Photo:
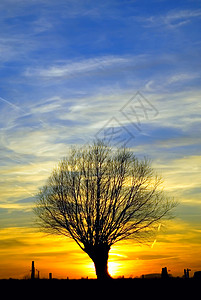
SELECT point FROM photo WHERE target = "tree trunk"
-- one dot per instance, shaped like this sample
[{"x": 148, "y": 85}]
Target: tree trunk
[
  {"x": 101, "y": 267},
  {"x": 99, "y": 255}
]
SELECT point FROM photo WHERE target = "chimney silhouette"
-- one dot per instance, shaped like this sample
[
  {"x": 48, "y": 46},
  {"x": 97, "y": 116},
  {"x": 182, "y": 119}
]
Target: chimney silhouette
[{"x": 32, "y": 271}]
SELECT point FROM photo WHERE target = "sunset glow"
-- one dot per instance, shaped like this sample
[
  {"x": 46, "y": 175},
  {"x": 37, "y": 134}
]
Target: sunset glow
[{"x": 75, "y": 70}]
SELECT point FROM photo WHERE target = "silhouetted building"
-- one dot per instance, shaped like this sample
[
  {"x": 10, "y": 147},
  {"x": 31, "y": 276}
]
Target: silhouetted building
[
  {"x": 164, "y": 273},
  {"x": 197, "y": 275},
  {"x": 32, "y": 271},
  {"x": 50, "y": 275}
]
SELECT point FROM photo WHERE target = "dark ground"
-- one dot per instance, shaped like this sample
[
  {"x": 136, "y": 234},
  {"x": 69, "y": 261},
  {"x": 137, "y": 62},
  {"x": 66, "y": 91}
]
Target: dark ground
[{"x": 172, "y": 288}]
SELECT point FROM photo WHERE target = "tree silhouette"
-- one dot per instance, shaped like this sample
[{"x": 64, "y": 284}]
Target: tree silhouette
[{"x": 98, "y": 196}]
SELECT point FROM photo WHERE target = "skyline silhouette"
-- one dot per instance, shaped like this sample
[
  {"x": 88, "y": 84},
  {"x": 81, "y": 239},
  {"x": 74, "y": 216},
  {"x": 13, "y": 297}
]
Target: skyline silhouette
[
  {"x": 36, "y": 272},
  {"x": 164, "y": 274}
]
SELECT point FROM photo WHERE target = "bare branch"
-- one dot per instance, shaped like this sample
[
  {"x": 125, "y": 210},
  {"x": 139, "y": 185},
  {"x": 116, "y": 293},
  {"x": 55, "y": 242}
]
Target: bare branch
[{"x": 99, "y": 196}]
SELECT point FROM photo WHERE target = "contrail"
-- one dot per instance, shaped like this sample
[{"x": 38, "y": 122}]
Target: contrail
[
  {"x": 11, "y": 104},
  {"x": 153, "y": 243}
]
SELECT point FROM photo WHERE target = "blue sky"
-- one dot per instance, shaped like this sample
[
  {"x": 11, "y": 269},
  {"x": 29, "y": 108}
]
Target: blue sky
[{"x": 69, "y": 71}]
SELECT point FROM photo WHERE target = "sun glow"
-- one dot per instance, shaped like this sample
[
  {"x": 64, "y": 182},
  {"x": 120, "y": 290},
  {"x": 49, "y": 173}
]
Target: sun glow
[{"x": 113, "y": 268}]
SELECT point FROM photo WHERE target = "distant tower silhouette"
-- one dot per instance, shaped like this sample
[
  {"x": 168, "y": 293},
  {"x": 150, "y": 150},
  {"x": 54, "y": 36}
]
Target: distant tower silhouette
[
  {"x": 164, "y": 273},
  {"x": 32, "y": 271},
  {"x": 186, "y": 273},
  {"x": 50, "y": 275}
]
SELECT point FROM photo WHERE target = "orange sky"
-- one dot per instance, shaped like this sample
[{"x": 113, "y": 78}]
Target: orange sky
[
  {"x": 62, "y": 257},
  {"x": 177, "y": 244}
]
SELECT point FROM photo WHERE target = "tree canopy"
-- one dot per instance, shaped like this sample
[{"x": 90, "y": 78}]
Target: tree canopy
[{"x": 98, "y": 196}]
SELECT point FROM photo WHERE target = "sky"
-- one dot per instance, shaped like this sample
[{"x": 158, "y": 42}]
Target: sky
[{"x": 125, "y": 71}]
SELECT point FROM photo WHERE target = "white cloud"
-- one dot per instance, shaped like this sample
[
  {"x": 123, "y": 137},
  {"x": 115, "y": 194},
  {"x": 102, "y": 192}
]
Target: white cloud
[
  {"x": 181, "y": 175},
  {"x": 173, "y": 19},
  {"x": 180, "y": 77},
  {"x": 73, "y": 68},
  {"x": 47, "y": 105}
]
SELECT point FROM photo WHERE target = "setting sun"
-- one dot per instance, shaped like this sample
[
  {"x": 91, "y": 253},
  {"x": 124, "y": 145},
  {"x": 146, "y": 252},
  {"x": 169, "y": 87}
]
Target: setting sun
[{"x": 114, "y": 268}]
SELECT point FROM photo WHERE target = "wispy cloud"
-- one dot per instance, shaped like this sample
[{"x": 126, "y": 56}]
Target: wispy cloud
[
  {"x": 182, "y": 17},
  {"x": 182, "y": 77},
  {"x": 72, "y": 68},
  {"x": 173, "y": 19}
]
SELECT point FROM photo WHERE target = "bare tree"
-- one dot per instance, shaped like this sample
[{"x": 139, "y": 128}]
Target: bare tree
[{"x": 99, "y": 196}]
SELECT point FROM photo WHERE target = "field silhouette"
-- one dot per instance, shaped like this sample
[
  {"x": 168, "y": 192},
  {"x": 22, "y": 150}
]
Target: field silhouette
[{"x": 91, "y": 288}]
